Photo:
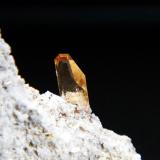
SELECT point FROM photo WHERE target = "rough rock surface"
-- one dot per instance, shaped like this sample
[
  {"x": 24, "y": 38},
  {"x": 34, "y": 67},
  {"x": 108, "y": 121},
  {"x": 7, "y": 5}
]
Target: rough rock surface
[{"x": 45, "y": 127}]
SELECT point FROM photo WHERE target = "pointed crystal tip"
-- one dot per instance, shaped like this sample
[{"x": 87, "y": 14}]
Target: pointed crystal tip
[{"x": 71, "y": 81}]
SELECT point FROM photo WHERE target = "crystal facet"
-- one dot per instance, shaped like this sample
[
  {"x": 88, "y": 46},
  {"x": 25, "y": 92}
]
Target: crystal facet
[{"x": 71, "y": 81}]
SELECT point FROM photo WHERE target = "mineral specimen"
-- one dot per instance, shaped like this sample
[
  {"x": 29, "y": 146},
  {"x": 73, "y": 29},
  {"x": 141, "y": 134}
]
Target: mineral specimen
[{"x": 36, "y": 126}]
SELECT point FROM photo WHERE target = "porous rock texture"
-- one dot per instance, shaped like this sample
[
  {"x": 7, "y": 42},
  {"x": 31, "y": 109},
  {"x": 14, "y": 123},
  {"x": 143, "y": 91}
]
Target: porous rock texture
[{"x": 36, "y": 126}]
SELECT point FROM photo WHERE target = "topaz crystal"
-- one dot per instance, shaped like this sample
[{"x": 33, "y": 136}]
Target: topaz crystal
[{"x": 71, "y": 81}]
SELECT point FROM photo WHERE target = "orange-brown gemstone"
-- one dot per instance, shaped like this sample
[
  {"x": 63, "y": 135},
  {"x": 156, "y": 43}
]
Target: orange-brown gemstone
[{"x": 71, "y": 81}]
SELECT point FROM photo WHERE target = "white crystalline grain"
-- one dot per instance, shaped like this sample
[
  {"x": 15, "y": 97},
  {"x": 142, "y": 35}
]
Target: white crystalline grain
[{"x": 45, "y": 127}]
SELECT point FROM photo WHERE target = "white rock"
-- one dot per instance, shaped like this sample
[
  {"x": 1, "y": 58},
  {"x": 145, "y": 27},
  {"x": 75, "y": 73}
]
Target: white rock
[{"x": 45, "y": 127}]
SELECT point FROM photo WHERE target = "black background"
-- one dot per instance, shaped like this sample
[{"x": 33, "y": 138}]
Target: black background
[{"x": 113, "y": 42}]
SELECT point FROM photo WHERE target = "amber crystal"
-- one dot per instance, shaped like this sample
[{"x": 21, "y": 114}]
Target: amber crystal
[{"x": 71, "y": 81}]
